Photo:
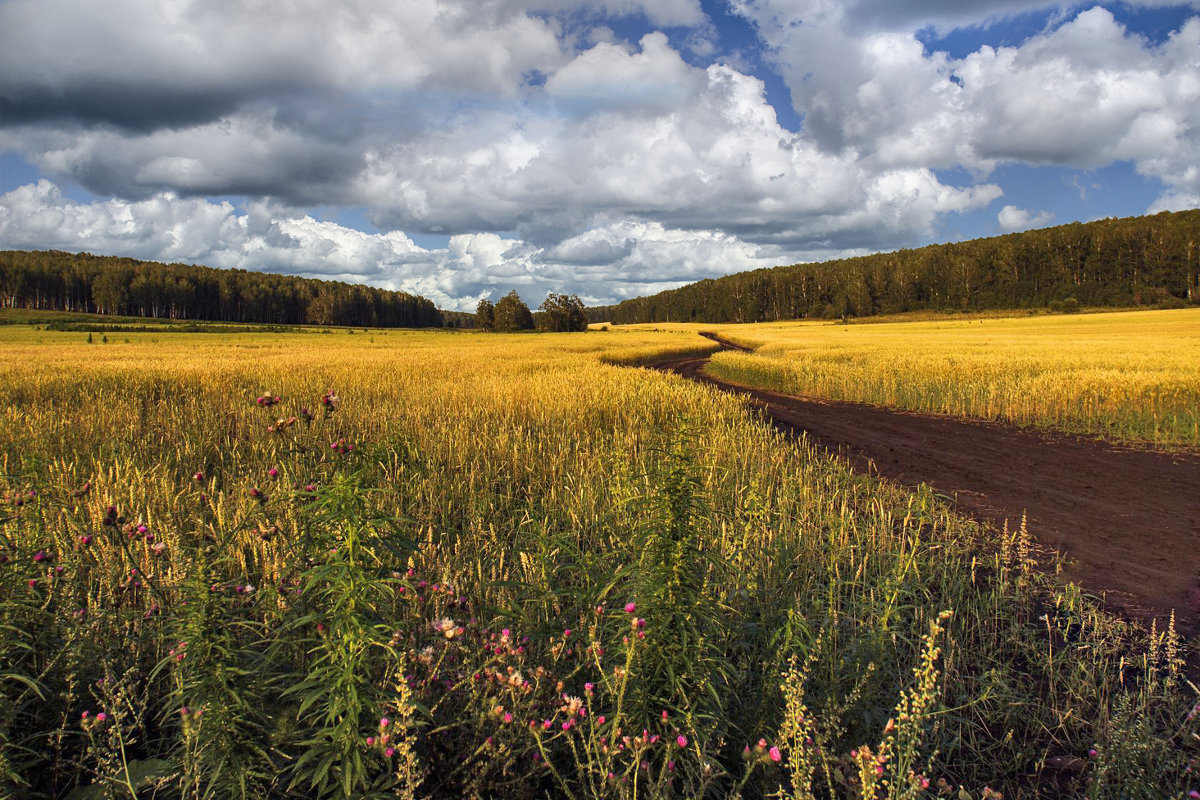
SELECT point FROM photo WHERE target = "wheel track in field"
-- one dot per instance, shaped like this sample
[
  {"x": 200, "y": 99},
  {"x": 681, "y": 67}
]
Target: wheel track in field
[{"x": 1127, "y": 519}]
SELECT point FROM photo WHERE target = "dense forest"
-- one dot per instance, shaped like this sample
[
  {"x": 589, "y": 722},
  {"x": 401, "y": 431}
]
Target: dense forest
[
  {"x": 51, "y": 280},
  {"x": 1152, "y": 260}
]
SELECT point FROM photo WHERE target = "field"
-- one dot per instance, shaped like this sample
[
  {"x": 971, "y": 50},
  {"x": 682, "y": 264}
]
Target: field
[
  {"x": 434, "y": 564},
  {"x": 1131, "y": 377}
]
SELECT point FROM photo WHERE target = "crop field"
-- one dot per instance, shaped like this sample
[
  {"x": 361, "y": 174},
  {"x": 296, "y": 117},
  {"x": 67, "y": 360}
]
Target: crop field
[
  {"x": 1132, "y": 377},
  {"x": 447, "y": 565}
]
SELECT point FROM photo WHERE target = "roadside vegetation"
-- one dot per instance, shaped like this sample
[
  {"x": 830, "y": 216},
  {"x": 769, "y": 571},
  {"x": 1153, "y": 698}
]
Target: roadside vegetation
[{"x": 435, "y": 564}]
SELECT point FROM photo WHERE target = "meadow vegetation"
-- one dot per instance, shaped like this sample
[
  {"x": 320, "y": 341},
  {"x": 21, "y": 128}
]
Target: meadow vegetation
[
  {"x": 1132, "y": 377},
  {"x": 437, "y": 564}
]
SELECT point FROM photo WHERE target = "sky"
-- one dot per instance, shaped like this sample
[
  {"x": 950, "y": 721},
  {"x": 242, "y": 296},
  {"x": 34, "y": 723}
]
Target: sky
[{"x": 458, "y": 149}]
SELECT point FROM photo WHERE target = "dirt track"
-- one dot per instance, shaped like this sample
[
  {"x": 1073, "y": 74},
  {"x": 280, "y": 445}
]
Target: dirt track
[{"x": 1128, "y": 520}]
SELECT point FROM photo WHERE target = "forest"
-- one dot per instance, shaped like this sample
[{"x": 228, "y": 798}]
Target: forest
[
  {"x": 1149, "y": 260},
  {"x": 52, "y": 280}
]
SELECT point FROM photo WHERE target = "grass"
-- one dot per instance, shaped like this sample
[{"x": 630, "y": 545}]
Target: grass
[
  {"x": 1130, "y": 377},
  {"x": 458, "y": 565}
]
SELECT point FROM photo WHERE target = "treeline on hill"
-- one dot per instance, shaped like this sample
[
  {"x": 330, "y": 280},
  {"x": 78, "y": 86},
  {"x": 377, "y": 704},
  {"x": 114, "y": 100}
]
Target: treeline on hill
[
  {"x": 51, "y": 280},
  {"x": 1152, "y": 260}
]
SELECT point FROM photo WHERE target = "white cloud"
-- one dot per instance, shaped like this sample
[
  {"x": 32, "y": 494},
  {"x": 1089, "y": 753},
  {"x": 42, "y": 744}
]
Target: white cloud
[
  {"x": 1012, "y": 218},
  {"x": 619, "y": 167},
  {"x": 1084, "y": 94},
  {"x": 618, "y": 261}
]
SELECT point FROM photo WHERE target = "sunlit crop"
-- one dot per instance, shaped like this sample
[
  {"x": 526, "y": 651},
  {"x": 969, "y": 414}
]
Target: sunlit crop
[{"x": 366, "y": 564}]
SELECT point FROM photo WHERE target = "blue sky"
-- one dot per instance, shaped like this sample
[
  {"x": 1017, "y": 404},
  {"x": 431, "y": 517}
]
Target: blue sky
[{"x": 462, "y": 148}]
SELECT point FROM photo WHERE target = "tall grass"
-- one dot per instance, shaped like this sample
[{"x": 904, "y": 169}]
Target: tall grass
[{"x": 451, "y": 565}]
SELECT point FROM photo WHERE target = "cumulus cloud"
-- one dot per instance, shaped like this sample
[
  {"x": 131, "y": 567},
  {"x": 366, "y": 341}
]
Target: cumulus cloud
[
  {"x": 554, "y": 153},
  {"x": 601, "y": 265},
  {"x": 1083, "y": 94},
  {"x": 1012, "y": 218}
]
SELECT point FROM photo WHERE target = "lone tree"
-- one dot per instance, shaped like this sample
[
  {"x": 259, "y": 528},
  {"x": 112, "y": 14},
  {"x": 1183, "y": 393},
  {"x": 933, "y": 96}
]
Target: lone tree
[
  {"x": 485, "y": 315},
  {"x": 511, "y": 313},
  {"x": 563, "y": 313}
]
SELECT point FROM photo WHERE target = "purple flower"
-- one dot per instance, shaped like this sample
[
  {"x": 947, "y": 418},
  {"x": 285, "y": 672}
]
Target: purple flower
[{"x": 630, "y": 607}]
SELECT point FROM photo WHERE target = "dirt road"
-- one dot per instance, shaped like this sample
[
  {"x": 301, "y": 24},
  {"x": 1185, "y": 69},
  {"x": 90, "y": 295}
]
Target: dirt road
[{"x": 1128, "y": 520}]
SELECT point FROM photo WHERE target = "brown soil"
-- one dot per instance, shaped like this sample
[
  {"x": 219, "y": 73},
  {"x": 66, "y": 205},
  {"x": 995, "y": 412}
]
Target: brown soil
[{"x": 1127, "y": 520}]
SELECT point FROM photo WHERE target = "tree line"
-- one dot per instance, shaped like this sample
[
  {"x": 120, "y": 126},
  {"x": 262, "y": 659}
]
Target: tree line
[
  {"x": 1149, "y": 260},
  {"x": 53, "y": 280}
]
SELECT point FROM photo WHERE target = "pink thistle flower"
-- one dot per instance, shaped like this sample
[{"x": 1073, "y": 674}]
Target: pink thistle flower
[
  {"x": 272, "y": 473},
  {"x": 101, "y": 717},
  {"x": 508, "y": 717},
  {"x": 776, "y": 755},
  {"x": 198, "y": 477},
  {"x": 664, "y": 715},
  {"x": 383, "y": 723},
  {"x": 391, "y": 751},
  {"x": 600, "y": 720},
  {"x": 630, "y": 607},
  {"x": 39, "y": 556},
  {"x": 681, "y": 740},
  {"x": 32, "y": 583},
  {"x": 370, "y": 741},
  {"x": 1093, "y": 754},
  {"x": 670, "y": 766},
  {"x": 547, "y": 724}
]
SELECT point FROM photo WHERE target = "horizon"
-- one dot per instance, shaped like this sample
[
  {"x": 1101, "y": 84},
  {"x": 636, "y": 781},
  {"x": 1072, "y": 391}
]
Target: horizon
[{"x": 457, "y": 151}]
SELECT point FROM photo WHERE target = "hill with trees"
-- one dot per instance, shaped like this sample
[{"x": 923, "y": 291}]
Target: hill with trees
[
  {"x": 52, "y": 280},
  {"x": 1150, "y": 260}
]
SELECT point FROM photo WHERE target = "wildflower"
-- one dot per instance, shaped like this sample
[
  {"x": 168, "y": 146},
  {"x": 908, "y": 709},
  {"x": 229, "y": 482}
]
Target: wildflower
[
  {"x": 508, "y": 717},
  {"x": 588, "y": 688},
  {"x": 639, "y": 623},
  {"x": 101, "y": 717},
  {"x": 670, "y": 766},
  {"x": 1194, "y": 795},
  {"x": 370, "y": 741},
  {"x": 272, "y": 473},
  {"x": 391, "y": 751},
  {"x": 681, "y": 740},
  {"x": 33, "y": 583},
  {"x": 566, "y": 633},
  {"x": 198, "y": 477},
  {"x": 1093, "y": 754},
  {"x": 39, "y": 556},
  {"x": 257, "y": 494},
  {"x": 383, "y": 723},
  {"x": 630, "y": 607}
]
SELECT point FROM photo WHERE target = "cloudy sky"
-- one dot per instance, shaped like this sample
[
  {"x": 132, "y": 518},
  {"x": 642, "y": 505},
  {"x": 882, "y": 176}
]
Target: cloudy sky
[{"x": 461, "y": 148}]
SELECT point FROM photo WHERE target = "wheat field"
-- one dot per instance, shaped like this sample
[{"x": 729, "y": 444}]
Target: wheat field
[{"x": 437, "y": 564}]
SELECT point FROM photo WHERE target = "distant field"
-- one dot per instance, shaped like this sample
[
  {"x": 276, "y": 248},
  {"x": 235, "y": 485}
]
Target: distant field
[
  {"x": 439, "y": 564},
  {"x": 1131, "y": 377}
]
